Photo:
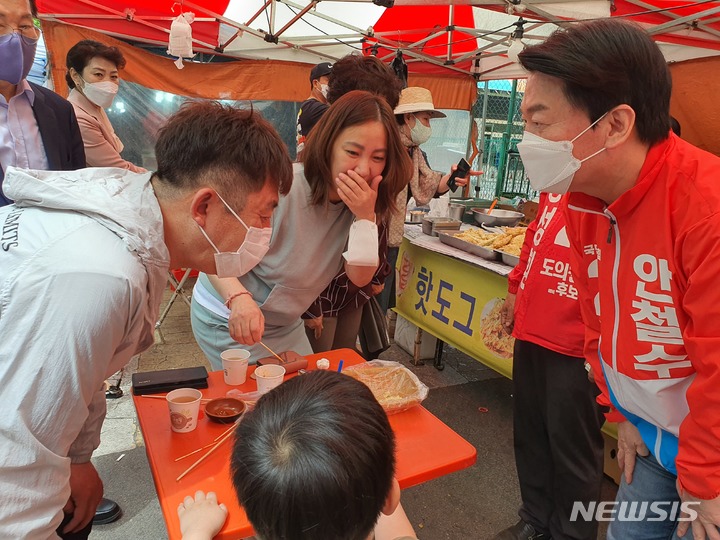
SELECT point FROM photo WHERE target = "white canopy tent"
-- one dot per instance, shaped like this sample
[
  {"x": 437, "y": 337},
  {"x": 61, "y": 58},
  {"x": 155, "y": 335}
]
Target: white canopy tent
[{"x": 434, "y": 36}]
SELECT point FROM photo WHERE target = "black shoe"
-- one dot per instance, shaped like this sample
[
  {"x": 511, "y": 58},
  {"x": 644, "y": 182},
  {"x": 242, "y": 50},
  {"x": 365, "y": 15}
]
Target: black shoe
[
  {"x": 107, "y": 512},
  {"x": 521, "y": 531}
]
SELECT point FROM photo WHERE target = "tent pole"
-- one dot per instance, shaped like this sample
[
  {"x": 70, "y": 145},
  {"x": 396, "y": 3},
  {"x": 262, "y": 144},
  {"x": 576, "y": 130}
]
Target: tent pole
[
  {"x": 451, "y": 21},
  {"x": 140, "y": 20},
  {"x": 259, "y": 11},
  {"x": 296, "y": 18},
  {"x": 505, "y": 144},
  {"x": 273, "y": 9},
  {"x": 483, "y": 125},
  {"x": 327, "y": 18}
]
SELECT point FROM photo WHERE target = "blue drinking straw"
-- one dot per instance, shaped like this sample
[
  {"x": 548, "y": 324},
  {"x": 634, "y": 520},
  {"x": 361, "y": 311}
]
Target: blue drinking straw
[{"x": 340, "y": 365}]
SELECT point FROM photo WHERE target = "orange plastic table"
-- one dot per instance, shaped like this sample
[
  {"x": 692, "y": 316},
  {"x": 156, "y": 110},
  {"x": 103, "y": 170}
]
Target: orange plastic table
[{"x": 426, "y": 449}]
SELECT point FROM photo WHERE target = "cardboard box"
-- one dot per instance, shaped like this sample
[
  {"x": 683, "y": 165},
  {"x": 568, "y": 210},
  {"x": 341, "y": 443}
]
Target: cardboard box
[{"x": 405, "y": 335}]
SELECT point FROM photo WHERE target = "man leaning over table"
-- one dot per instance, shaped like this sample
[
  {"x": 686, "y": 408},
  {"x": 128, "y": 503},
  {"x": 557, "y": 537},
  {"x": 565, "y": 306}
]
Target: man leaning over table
[
  {"x": 556, "y": 420},
  {"x": 84, "y": 264},
  {"x": 38, "y": 128},
  {"x": 644, "y": 227}
]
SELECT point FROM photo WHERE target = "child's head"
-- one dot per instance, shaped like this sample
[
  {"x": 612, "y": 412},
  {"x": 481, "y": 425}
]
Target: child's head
[{"x": 315, "y": 460}]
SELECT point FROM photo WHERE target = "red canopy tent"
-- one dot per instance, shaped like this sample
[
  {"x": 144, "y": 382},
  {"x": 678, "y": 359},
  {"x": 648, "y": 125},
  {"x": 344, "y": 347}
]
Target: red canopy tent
[
  {"x": 144, "y": 21},
  {"x": 435, "y": 36},
  {"x": 447, "y": 44}
]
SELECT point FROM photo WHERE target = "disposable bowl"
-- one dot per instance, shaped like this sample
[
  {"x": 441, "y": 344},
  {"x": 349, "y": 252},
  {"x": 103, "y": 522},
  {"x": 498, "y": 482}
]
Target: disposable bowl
[{"x": 224, "y": 410}]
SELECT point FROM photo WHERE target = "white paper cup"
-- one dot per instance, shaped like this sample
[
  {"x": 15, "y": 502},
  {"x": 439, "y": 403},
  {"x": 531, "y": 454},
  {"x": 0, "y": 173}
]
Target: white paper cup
[
  {"x": 235, "y": 364},
  {"x": 184, "y": 405},
  {"x": 268, "y": 377}
]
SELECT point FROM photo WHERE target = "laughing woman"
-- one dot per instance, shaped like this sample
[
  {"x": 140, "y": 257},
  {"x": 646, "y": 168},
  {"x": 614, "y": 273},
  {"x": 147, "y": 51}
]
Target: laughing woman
[{"x": 354, "y": 165}]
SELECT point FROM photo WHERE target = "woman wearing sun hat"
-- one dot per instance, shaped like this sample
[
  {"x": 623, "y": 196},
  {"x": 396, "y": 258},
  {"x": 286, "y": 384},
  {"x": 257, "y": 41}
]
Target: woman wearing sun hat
[{"x": 413, "y": 115}]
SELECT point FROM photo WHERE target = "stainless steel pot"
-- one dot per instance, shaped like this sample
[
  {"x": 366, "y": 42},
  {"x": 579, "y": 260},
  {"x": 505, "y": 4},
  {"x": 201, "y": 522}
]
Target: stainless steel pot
[{"x": 456, "y": 211}]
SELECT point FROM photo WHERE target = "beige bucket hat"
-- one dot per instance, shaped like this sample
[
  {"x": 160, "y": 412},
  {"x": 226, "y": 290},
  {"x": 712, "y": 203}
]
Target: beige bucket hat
[{"x": 416, "y": 99}]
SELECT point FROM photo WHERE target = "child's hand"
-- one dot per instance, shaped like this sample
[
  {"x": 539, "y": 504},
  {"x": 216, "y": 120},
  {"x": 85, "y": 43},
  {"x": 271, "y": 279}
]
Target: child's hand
[{"x": 201, "y": 518}]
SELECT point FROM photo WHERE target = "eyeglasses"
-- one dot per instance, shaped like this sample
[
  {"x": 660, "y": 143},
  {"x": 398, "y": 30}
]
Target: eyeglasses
[{"x": 27, "y": 31}]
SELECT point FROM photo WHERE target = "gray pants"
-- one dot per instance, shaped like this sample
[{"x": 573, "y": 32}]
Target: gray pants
[
  {"x": 338, "y": 332},
  {"x": 213, "y": 336}
]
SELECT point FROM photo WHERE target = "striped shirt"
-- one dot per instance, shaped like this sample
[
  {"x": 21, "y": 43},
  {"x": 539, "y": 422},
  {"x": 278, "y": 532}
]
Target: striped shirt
[{"x": 343, "y": 294}]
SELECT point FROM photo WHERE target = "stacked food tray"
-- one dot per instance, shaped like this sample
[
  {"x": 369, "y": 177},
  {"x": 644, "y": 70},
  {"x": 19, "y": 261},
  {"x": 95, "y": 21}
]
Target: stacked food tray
[
  {"x": 504, "y": 244},
  {"x": 451, "y": 239},
  {"x": 507, "y": 258}
]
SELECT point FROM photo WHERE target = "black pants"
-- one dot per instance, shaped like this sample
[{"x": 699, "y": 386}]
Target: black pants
[
  {"x": 80, "y": 535},
  {"x": 558, "y": 443},
  {"x": 387, "y": 297}
]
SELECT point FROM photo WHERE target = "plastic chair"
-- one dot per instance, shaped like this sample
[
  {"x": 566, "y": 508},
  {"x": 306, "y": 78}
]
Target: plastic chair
[{"x": 177, "y": 278}]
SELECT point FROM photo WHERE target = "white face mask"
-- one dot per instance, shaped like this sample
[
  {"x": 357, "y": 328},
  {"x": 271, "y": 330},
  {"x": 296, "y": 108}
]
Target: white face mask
[
  {"x": 249, "y": 254},
  {"x": 420, "y": 133},
  {"x": 551, "y": 165},
  {"x": 324, "y": 90},
  {"x": 101, "y": 94}
]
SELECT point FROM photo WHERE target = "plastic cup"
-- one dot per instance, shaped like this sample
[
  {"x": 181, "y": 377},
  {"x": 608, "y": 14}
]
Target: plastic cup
[
  {"x": 235, "y": 364},
  {"x": 268, "y": 377},
  {"x": 184, "y": 405}
]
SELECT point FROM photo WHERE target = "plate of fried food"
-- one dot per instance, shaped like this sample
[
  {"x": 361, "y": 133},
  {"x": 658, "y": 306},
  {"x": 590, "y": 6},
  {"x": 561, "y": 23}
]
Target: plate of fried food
[
  {"x": 471, "y": 240},
  {"x": 506, "y": 242},
  {"x": 509, "y": 244}
]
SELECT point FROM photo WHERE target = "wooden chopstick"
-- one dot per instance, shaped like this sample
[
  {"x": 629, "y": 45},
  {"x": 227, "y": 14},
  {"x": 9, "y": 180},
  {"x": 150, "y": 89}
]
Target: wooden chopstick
[
  {"x": 215, "y": 447},
  {"x": 272, "y": 352},
  {"x": 227, "y": 430},
  {"x": 202, "y": 400},
  {"x": 196, "y": 451},
  {"x": 207, "y": 445}
]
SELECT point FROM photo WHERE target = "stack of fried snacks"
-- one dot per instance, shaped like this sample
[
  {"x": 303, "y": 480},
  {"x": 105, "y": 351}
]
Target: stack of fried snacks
[
  {"x": 479, "y": 237},
  {"x": 510, "y": 241}
]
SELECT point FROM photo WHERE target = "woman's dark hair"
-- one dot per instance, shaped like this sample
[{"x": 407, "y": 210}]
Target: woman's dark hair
[
  {"x": 352, "y": 109},
  {"x": 315, "y": 460},
  {"x": 79, "y": 56},
  {"x": 606, "y": 63},
  {"x": 232, "y": 150},
  {"x": 358, "y": 72}
]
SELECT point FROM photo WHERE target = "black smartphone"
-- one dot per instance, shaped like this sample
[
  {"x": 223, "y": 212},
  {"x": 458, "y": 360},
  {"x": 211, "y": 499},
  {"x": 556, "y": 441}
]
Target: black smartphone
[
  {"x": 153, "y": 382},
  {"x": 463, "y": 168}
]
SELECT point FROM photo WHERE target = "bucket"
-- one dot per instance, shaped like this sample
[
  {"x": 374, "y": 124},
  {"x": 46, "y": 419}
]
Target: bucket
[{"x": 456, "y": 211}]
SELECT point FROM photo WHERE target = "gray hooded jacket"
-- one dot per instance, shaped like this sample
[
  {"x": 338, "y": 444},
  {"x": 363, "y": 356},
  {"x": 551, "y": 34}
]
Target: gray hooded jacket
[{"x": 83, "y": 266}]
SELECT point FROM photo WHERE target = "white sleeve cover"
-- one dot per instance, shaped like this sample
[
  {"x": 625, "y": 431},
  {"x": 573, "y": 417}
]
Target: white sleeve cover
[{"x": 362, "y": 248}]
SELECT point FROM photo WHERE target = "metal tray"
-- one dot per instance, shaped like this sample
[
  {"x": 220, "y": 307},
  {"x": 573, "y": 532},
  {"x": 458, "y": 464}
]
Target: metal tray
[
  {"x": 433, "y": 225},
  {"x": 510, "y": 260},
  {"x": 498, "y": 218},
  {"x": 452, "y": 240}
]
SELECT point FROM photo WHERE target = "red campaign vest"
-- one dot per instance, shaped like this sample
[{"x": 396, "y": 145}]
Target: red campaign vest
[{"x": 547, "y": 311}]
